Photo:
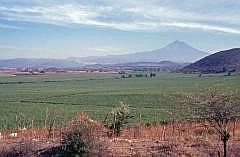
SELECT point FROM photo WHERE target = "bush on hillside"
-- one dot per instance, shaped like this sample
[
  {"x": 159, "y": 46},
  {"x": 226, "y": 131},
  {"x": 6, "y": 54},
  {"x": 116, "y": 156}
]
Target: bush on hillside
[{"x": 80, "y": 136}]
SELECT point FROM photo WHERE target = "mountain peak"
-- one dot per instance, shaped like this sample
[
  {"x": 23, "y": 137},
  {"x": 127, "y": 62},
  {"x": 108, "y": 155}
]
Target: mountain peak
[
  {"x": 177, "y": 51},
  {"x": 178, "y": 43}
]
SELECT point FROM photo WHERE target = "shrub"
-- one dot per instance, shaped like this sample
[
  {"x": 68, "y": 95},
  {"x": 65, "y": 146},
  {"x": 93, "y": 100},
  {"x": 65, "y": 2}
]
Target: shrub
[
  {"x": 152, "y": 75},
  {"x": 218, "y": 109},
  {"x": 117, "y": 118},
  {"x": 139, "y": 75},
  {"x": 80, "y": 136},
  {"x": 73, "y": 143}
]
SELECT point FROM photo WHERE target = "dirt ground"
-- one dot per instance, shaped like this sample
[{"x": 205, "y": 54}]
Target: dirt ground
[
  {"x": 184, "y": 139},
  {"x": 114, "y": 147}
]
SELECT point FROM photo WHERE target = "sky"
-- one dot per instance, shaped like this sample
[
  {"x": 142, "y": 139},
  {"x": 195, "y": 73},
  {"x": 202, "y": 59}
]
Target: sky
[{"x": 79, "y": 28}]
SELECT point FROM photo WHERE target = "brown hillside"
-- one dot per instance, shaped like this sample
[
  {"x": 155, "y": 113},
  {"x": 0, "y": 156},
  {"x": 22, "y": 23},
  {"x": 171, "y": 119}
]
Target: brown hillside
[{"x": 222, "y": 61}]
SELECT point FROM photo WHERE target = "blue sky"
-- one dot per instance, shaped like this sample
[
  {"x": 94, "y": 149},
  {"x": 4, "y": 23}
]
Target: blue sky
[{"x": 66, "y": 28}]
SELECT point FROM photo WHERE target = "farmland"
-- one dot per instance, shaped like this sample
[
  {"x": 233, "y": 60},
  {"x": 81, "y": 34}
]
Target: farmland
[{"x": 27, "y": 100}]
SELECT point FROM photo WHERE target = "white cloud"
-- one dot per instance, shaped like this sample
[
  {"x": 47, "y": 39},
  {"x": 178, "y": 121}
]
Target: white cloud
[
  {"x": 50, "y": 14},
  {"x": 127, "y": 15},
  {"x": 9, "y": 47},
  {"x": 10, "y": 27},
  {"x": 100, "y": 50},
  {"x": 203, "y": 27}
]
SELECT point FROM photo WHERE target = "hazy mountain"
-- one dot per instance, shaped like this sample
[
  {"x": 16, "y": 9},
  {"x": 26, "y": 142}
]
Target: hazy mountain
[
  {"x": 140, "y": 64},
  {"x": 161, "y": 66},
  {"x": 222, "y": 61},
  {"x": 152, "y": 66},
  {"x": 39, "y": 63},
  {"x": 177, "y": 51}
]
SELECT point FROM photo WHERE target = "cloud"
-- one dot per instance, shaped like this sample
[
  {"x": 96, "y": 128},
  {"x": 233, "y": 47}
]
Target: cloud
[
  {"x": 106, "y": 50},
  {"x": 4, "y": 26},
  {"x": 128, "y": 15},
  {"x": 9, "y": 47},
  {"x": 203, "y": 27}
]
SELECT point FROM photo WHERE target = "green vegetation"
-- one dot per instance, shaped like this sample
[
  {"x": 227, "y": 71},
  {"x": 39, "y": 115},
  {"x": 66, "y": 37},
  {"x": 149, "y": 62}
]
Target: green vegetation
[
  {"x": 24, "y": 100},
  {"x": 117, "y": 119}
]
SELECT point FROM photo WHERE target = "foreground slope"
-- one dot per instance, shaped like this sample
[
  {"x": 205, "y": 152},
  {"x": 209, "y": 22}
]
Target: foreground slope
[{"x": 222, "y": 61}]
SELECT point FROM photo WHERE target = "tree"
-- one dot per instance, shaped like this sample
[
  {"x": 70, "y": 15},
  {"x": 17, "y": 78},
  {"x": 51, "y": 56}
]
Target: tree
[
  {"x": 152, "y": 75},
  {"x": 117, "y": 118},
  {"x": 229, "y": 73},
  {"x": 224, "y": 69},
  {"x": 218, "y": 110}
]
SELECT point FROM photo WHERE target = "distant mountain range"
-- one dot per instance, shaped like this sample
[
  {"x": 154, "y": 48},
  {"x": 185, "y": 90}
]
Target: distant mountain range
[
  {"x": 222, "y": 61},
  {"x": 177, "y": 51},
  {"x": 38, "y": 63},
  {"x": 155, "y": 66}
]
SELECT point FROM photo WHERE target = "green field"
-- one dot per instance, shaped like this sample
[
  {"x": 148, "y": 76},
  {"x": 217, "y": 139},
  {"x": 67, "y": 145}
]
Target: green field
[{"x": 26, "y": 99}]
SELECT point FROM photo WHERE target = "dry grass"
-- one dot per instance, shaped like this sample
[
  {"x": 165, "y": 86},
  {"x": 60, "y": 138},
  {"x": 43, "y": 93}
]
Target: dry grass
[{"x": 178, "y": 139}]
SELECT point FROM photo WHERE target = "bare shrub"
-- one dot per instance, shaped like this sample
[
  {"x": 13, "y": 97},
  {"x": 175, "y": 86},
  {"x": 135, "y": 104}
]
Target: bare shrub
[
  {"x": 50, "y": 122},
  {"x": 218, "y": 109},
  {"x": 81, "y": 136}
]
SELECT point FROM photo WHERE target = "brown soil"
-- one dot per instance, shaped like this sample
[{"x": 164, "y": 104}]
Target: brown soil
[{"x": 185, "y": 139}]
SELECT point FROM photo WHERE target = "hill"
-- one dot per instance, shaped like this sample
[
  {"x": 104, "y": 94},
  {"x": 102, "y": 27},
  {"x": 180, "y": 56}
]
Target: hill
[
  {"x": 228, "y": 60},
  {"x": 177, "y": 51}
]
